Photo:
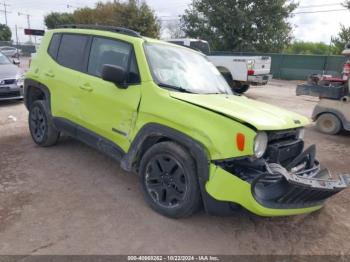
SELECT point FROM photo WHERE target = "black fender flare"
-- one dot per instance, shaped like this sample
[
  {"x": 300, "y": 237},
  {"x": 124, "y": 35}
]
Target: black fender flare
[
  {"x": 30, "y": 83},
  {"x": 197, "y": 151}
]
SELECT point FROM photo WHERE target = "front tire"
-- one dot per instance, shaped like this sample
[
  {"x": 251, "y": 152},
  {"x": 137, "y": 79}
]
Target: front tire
[
  {"x": 169, "y": 180},
  {"x": 329, "y": 124},
  {"x": 41, "y": 126}
]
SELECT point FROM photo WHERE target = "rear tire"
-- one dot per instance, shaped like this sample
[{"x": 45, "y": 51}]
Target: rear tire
[
  {"x": 329, "y": 124},
  {"x": 236, "y": 86},
  {"x": 240, "y": 88},
  {"x": 169, "y": 180},
  {"x": 41, "y": 127}
]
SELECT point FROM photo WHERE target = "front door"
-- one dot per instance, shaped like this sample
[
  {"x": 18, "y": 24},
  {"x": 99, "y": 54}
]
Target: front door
[{"x": 106, "y": 109}]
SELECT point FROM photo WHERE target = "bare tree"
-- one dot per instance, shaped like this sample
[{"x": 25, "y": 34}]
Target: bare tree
[{"x": 172, "y": 29}]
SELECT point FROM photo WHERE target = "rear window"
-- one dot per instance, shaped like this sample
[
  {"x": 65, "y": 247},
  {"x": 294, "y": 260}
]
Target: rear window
[
  {"x": 71, "y": 51},
  {"x": 177, "y": 42},
  {"x": 54, "y": 45},
  {"x": 200, "y": 46}
]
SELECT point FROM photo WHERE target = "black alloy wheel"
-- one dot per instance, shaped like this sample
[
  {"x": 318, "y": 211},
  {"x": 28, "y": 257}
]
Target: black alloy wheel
[
  {"x": 169, "y": 180},
  {"x": 37, "y": 124},
  {"x": 41, "y": 127},
  {"x": 166, "y": 181}
]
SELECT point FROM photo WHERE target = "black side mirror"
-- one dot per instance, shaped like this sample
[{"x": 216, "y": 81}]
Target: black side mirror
[{"x": 114, "y": 74}]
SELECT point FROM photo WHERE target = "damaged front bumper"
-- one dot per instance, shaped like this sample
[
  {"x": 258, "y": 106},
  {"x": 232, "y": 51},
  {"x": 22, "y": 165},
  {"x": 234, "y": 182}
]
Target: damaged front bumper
[{"x": 270, "y": 189}]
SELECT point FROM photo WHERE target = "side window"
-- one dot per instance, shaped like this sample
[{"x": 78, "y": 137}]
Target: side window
[
  {"x": 113, "y": 52},
  {"x": 71, "y": 51},
  {"x": 200, "y": 46},
  {"x": 134, "y": 75},
  {"x": 54, "y": 45}
]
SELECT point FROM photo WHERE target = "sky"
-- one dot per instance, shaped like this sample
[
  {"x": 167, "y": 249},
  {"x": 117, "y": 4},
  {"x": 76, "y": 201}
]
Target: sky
[{"x": 316, "y": 27}]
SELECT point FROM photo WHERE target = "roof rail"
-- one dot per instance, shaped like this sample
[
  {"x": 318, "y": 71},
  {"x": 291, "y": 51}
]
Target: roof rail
[{"x": 115, "y": 29}]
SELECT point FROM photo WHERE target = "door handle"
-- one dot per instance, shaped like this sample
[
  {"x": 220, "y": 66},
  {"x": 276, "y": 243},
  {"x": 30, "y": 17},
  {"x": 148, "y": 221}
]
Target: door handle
[
  {"x": 86, "y": 87},
  {"x": 49, "y": 74}
]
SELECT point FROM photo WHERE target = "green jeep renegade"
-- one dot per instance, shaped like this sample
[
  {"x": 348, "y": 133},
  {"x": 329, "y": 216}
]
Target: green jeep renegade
[{"x": 166, "y": 113}]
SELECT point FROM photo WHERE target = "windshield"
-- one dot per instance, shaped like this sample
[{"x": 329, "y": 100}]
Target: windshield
[
  {"x": 4, "y": 60},
  {"x": 185, "y": 70}
]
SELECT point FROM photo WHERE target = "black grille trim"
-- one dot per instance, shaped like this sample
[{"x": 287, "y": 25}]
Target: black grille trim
[
  {"x": 10, "y": 81},
  {"x": 10, "y": 94},
  {"x": 278, "y": 136}
]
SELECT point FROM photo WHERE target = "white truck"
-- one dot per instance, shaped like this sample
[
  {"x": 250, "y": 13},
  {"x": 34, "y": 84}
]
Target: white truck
[{"x": 239, "y": 71}]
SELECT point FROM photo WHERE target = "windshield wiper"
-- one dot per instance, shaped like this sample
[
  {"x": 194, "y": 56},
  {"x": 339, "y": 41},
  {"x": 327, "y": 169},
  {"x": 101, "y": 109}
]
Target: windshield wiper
[{"x": 177, "y": 88}]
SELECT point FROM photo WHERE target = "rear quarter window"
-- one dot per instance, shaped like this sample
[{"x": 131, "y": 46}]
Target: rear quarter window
[{"x": 54, "y": 45}]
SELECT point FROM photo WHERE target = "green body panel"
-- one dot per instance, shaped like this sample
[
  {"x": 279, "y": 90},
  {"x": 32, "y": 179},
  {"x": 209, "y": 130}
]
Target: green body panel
[
  {"x": 260, "y": 115},
  {"x": 104, "y": 106},
  {"x": 113, "y": 109},
  {"x": 213, "y": 131},
  {"x": 224, "y": 186},
  {"x": 212, "y": 120}
]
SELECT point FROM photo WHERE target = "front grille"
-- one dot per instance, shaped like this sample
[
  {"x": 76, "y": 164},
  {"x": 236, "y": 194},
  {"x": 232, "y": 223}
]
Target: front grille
[
  {"x": 10, "y": 94},
  {"x": 283, "y": 146},
  {"x": 248, "y": 173},
  {"x": 8, "y": 81},
  {"x": 284, "y": 152},
  {"x": 283, "y": 135}
]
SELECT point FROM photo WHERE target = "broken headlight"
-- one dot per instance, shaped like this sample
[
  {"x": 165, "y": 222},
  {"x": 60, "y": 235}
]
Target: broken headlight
[
  {"x": 300, "y": 134},
  {"x": 260, "y": 144}
]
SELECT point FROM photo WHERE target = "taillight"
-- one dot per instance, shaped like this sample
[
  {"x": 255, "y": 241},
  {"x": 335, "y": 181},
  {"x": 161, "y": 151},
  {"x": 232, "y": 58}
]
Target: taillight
[
  {"x": 251, "y": 72},
  {"x": 250, "y": 67},
  {"x": 346, "y": 69},
  {"x": 240, "y": 140}
]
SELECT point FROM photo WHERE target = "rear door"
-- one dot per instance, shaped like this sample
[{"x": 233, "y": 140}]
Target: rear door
[
  {"x": 64, "y": 76},
  {"x": 106, "y": 109}
]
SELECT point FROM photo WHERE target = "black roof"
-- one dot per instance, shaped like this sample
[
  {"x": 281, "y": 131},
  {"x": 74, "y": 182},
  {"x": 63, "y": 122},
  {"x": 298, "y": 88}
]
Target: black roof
[{"x": 114, "y": 29}]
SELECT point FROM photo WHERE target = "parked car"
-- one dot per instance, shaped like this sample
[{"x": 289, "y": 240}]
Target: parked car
[
  {"x": 332, "y": 112},
  {"x": 11, "y": 79},
  {"x": 167, "y": 114},
  {"x": 10, "y": 51},
  {"x": 239, "y": 71}
]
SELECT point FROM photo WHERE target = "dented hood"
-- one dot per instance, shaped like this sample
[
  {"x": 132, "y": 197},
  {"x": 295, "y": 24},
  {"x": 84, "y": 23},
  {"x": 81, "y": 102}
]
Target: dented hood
[{"x": 260, "y": 115}]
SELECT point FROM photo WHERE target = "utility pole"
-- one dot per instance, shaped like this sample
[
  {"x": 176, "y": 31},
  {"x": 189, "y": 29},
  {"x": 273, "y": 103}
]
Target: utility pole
[
  {"x": 28, "y": 23},
  {"x": 5, "y": 10},
  {"x": 17, "y": 41}
]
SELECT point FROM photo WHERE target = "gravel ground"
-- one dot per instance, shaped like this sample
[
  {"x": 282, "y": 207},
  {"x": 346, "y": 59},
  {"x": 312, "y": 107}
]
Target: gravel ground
[{"x": 70, "y": 199}]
